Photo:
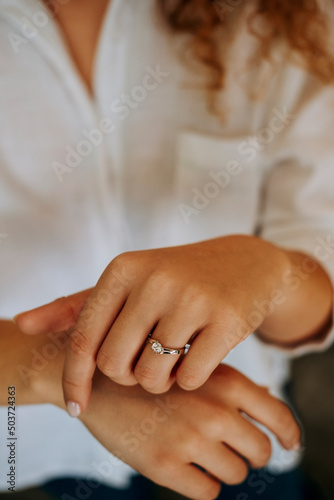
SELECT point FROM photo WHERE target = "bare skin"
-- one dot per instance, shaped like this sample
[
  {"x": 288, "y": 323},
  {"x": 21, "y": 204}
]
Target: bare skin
[
  {"x": 218, "y": 439},
  {"x": 215, "y": 434},
  {"x": 203, "y": 292},
  {"x": 80, "y": 22}
]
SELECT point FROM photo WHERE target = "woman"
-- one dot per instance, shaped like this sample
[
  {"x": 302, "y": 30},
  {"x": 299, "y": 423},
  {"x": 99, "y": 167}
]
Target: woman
[{"x": 129, "y": 157}]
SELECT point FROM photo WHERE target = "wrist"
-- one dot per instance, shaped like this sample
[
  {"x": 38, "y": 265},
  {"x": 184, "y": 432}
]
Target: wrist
[
  {"x": 303, "y": 309},
  {"x": 277, "y": 263},
  {"x": 33, "y": 364},
  {"x": 41, "y": 371}
]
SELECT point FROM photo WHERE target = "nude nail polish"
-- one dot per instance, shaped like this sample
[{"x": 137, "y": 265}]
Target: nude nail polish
[
  {"x": 296, "y": 447},
  {"x": 73, "y": 409}
]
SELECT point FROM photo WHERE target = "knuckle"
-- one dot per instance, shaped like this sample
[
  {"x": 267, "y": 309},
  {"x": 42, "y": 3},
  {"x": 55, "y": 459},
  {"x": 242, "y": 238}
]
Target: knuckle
[
  {"x": 159, "y": 281},
  {"x": 217, "y": 418},
  {"x": 121, "y": 261},
  {"x": 121, "y": 268},
  {"x": 214, "y": 426},
  {"x": 193, "y": 295},
  {"x": 107, "y": 365},
  {"x": 232, "y": 382},
  {"x": 79, "y": 343},
  {"x": 164, "y": 465},
  {"x": 226, "y": 418},
  {"x": 191, "y": 442},
  {"x": 72, "y": 384},
  {"x": 188, "y": 379},
  {"x": 146, "y": 376}
]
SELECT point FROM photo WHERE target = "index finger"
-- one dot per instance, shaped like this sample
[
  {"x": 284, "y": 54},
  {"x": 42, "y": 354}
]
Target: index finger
[
  {"x": 57, "y": 316},
  {"x": 85, "y": 339}
]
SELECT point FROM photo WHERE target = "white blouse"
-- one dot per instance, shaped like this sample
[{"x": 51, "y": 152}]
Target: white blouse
[{"x": 143, "y": 164}]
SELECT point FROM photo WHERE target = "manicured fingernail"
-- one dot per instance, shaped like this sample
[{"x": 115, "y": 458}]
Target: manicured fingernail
[
  {"x": 292, "y": 447},
  {"x": 73, "y": 409}
]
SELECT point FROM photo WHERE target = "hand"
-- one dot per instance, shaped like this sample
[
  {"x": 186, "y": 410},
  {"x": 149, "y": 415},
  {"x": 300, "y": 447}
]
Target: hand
[
  {"x": 201, "y": 293},
  {"x": 163, "y": 437}
]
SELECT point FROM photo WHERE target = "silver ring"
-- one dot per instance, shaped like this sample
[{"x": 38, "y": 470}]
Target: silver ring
[{"x": 158, "y": 348}]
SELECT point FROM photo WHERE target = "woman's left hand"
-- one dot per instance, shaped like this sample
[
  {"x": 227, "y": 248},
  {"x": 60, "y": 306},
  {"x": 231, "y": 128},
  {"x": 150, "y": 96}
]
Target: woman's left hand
[{"x": 203, "y": 294}]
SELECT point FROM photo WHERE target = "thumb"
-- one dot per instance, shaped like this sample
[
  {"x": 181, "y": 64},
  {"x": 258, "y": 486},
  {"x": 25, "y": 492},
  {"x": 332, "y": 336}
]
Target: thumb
[{"x": 57, "y": 316}]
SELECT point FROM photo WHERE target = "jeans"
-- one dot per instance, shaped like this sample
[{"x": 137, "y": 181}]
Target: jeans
[{"x": 260, "y": 485}]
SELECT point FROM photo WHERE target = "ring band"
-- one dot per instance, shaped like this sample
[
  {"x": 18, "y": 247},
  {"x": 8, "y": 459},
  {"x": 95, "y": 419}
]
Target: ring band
[{"x": 158, "y": 348}]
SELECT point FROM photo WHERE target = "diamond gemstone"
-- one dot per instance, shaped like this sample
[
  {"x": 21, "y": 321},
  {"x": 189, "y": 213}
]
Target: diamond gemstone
[{"x": 157, "y": 347}]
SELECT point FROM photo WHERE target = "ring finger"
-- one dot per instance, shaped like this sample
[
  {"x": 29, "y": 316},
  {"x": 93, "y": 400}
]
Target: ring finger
[
  {"x": 224, "y": 464},
  {"x": 154, "y": 371}
]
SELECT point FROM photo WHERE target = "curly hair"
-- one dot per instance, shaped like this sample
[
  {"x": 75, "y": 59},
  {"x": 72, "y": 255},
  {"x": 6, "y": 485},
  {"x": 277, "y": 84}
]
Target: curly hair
[{"x": 301, "y": 23}]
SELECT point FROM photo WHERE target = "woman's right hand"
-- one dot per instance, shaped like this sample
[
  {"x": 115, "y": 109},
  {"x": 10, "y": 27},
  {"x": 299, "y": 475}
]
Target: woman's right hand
[
  {"x": 164, "y": 436},
  {"x": 160, "y": 436}
]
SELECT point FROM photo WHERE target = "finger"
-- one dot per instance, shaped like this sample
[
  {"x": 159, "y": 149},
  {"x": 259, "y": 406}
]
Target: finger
[
  {"x": 98, "y": 313},
  {"x": 278, "y": 417},
  {"x": 57, "y": 316},
  {"x": 126, "y": 339},
  {"x": 248, "y": 441},
  {"x": 256, "y": 402},
  {"x": 153, "y": 371},
  {"x": 205, "y": 354},
  {"x": 191, "y": 482},
  {"x": 223, "y": 463}
]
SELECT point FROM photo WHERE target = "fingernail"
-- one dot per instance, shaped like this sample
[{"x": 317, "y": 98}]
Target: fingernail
[
  {"x": 296, "y": 446},
  {"x": 73, "y": 409},
  {"x": 293, "y": 447},
  {"x": 15, "y": 317}
]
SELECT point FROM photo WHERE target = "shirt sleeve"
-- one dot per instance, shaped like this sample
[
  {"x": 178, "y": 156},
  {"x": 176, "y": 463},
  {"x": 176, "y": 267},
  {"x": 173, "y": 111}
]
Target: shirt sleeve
[{"x": 298, "y": 193}]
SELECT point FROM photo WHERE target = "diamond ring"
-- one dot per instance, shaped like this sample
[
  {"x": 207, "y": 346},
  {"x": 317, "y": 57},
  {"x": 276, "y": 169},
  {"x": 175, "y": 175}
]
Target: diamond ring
[{"x": 158, "y": 348}]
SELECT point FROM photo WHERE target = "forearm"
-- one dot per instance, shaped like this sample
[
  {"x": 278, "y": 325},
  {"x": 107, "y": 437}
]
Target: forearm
[
  {"x": 304, "y": 302},
  {"x": 28, "y": 363},
  {"x": 34, "y": 364}
]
